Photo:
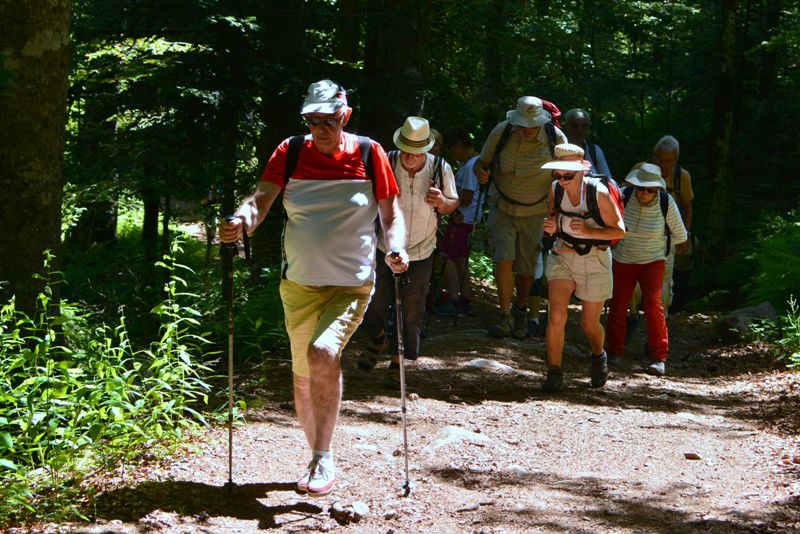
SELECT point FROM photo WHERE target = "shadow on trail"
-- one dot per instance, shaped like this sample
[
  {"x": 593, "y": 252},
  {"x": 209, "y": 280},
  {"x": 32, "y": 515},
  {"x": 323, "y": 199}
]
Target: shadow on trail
[
  {"x": 192, "y": 499},
  {"x": 598, "y": 501}
]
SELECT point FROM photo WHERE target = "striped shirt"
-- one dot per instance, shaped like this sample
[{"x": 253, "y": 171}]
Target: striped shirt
[{"x": 645, "y": 241}]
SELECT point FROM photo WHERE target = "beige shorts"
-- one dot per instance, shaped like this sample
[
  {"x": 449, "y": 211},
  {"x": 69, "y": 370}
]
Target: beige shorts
[
  {"x": 321, "y": 315},
  {"x": 591, "y": 273}
]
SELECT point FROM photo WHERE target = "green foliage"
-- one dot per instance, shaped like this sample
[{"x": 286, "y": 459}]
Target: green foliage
[
  {"x": 481, "y": 266},
  {"x": 790, "y": 334},
  {"x": 71, "y": 390},
  {"x": 774, "y": 259}
]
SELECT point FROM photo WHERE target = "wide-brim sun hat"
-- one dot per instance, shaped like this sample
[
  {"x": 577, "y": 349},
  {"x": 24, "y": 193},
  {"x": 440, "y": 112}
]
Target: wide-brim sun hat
[
  {"x": 565, "y": 165},
  {"x": 529, "y": 113},
  {"x": 648, "y": 175},
  {"x": 568, "y": 151},
  {"x": 414, "y": 136},
  {"x": 324, "y": 96}
]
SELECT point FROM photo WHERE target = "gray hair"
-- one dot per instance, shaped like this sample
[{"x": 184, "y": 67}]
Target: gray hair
[
  {"x": 667, "y": 144},
  {"x": 569, "y": 115}
]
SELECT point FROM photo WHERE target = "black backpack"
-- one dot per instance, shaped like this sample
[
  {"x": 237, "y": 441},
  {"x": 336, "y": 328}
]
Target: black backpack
[
  {"x": 663, "y": 200},
  {"x": 583, "y": 246}
]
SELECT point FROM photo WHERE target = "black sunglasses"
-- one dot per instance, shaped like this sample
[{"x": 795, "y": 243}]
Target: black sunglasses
[
  {"x": 649, "y": 190},
  {"x": 566, "y": 177},
  {"x": 327, "y": 121}
]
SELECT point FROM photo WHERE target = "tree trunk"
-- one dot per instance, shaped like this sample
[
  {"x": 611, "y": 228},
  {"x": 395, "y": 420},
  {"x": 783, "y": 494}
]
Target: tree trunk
[
  {"x": 33, "y": 111},
  {"x": 150, "y": 199},
  {"x": 721, "y": 128},
  {"x": 393, "y": 51},
  {"x": 493, "y": 66}
]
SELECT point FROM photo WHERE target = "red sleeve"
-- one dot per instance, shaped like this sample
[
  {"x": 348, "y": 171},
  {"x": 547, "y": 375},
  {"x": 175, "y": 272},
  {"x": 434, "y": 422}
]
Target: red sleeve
[
  {"x": 385, "y": 183},
  {"x": 275, "y": 171}
]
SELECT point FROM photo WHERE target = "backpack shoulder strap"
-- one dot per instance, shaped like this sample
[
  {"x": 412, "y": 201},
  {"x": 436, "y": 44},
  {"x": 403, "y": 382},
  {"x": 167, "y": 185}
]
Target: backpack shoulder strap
[
  {"x": 501, "y": 144},
  {"x": 663, "y": 200},
  {"x": 393, "y": 155},
  {"x": 591, "y": 201},
  {"x": 436, "y": 180},
  {"x": 558, "y": 197},
  {"x": 550, "y": 130},
  {"x": 592, "y": 153},
  {"x": 292, "y": 155},
  {"x": 365, "y": 147},
  {"x": 676, "y": 181},
  {"x": 627, "y": 193}
]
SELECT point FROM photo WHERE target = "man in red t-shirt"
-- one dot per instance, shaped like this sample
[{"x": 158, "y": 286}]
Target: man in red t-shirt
[{"x": 331, "y": 201}]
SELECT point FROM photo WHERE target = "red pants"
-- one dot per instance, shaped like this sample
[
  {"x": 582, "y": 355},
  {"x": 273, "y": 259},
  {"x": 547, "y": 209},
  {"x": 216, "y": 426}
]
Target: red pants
[{"x": 650, "y": 277}]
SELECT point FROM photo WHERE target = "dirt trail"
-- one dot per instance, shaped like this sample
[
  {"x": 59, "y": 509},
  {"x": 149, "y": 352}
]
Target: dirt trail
[{"x": 490, "y": 453}]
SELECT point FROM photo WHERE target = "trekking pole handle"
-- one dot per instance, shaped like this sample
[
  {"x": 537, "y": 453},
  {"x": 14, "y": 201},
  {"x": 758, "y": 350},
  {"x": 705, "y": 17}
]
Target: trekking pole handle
[{"x": 245, "y": 237}]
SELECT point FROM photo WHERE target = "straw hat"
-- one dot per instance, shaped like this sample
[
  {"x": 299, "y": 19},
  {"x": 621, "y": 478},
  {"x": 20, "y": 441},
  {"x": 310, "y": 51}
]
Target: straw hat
[
  {"x": 648, "y": 175},
  {"x": 529, "y": 113},
  {"x": 568, "y": 151},
  {"x": 414, "y": 136},
  {"x": 565, "y": 165},
  {"x": 569, "y": 157}
]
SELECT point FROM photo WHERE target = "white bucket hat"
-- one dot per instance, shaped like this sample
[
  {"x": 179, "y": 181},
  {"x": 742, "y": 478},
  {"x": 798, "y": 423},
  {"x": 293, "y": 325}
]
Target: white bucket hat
[
  {"x": 414, "y": 136},
  {"x": 648, "y": 175},
  {"x": 529, "y": 113},
  {"x": 324, "y": 96}
]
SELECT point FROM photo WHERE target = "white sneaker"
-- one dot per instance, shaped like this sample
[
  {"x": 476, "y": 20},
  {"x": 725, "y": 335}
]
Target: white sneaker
[
  {"x": 322, "y": 476},
  {"x": 302, "y": 483}
]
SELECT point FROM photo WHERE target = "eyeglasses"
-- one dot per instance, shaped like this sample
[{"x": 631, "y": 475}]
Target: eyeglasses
[
  {"x": 648, "y": 190},
  {"x": 330, "y": 122},
  {"x": 566, "y": 177}
]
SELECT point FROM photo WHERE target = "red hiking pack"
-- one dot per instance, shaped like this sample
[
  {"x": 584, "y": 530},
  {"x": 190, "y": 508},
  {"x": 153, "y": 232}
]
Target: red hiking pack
[{"x": 555, "y": 113}]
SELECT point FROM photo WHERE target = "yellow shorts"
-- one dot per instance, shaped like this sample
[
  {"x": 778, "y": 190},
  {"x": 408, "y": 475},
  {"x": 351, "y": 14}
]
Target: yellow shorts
[
  {"x": 321, "y": 315},
  {"x": 591, "y": 273}
]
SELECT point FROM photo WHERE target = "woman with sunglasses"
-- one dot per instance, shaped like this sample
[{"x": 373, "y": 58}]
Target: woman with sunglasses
[
  {"x": 580, "y": 261},
  {"x": 652, "y": 220}
]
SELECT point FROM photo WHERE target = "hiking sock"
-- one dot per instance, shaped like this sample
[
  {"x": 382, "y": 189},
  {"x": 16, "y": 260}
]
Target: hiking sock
[{"x": 322, "y": 454}]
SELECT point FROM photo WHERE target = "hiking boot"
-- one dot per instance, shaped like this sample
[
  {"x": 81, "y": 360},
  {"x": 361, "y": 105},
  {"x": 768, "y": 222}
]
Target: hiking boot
[
  {"x": 302, "y": 483},
  {"x": 503, "y": 328},
  {"x": 466, "y": 306},
  {"x": 554, "y": 383},
  {"x": 657, "y": 368},
  {"x": 368, "y": 359},
  {"x": 321, "y": 477},
  {"x": 599, "y": 370},
  {"x": 392, "y": 379},
  {"x": 447, "y": 309},
  {"x": 613, "y": 359},
  {"x": 520, "y": 326}
]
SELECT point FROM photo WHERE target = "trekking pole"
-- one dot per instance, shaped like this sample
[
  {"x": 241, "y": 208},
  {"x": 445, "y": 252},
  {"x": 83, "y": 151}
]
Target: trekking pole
[
  {"x": 229, "y": 250},
  {"x": 399, "y": 278}
]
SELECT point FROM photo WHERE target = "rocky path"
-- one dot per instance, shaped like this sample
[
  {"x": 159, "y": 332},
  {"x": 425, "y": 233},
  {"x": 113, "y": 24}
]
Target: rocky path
[{"x": 712, "y": 447}]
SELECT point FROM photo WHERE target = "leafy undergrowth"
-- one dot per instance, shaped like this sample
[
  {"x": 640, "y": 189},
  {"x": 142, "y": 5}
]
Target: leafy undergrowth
[
  {"x": 76, "y": 398},
  {"x": 489, "y": 452}
]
